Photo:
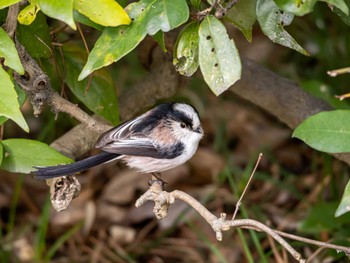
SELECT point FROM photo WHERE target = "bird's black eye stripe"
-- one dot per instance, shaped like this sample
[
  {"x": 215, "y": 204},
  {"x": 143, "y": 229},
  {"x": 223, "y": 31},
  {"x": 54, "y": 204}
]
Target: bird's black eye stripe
[{"x": 182, "y": 118}]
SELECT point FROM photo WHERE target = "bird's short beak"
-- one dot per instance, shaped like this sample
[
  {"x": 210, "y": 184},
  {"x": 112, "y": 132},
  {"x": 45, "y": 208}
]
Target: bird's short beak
[{"x": 199, "y": 130}]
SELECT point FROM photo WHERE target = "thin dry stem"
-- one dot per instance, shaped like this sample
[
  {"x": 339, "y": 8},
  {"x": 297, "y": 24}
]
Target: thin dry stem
[{"x": 239, "y": 202}]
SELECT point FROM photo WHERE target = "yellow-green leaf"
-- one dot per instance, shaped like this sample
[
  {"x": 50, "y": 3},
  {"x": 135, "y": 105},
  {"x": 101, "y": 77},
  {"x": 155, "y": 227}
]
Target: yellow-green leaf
[
  {"x": 59, "y": 9},
  {"x": 6, "y": 3},
  {"x": 9, "y": 106},
  {"x": 149, "y": 16},
  {"x": 28, "y": 14},
  {"x": 8, "y": 51},
  {"x": 103, "y": 12}
]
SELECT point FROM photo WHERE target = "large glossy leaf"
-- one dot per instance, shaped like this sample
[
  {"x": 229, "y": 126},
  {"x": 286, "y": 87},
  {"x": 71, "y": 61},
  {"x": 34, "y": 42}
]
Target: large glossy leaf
[
  {"x": 61, "y": 10},
  {"x": 272, "y": 21},
  {"x": 8, "y": 51},
  {"x": 326, "y": 131},
  {"x": 243, "y": 15},
  {"x": 20, "y": 155},
  {"x": 36, "y": 37},
  {"x": 218, "y": 56},
  {"x": 149, "y": 16},
  {"x": 9, "y": 106},
  {"x": 344, "y": 205},
  {"x": 28, "y": 14},
  {"x": 103, "y": 12},
  {"x": 101, "y": 97},
  {"x": 6, "y": 3},
  {"x": 186, "y": 50}
]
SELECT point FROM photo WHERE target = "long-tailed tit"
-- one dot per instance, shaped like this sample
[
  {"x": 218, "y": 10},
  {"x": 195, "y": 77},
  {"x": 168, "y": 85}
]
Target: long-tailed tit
[{"x": 160, "y": 139}]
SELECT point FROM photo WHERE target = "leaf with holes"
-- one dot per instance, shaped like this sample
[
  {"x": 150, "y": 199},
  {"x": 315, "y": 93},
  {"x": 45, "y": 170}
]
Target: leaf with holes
[
  {"x": 148, "y": 16},
  {"x": 28, "y": 14},
  {"x": 186, "y": 50},
  {"x": 36, "y": 37},
  {"x": 9, "y": 106},
  {"x": 218, "y": 56},
  {"x": 242, "y": 15},
  {"x": 61, "y": 10},
  {"x": 8, "y": 51},
  {"x": 103, "y": 12},
  {"x": 272, "y": 20},
  {"x": 21, "y": 155},
  {"x": 101, "y": 97},
  {"x": 326, "y": 131}
]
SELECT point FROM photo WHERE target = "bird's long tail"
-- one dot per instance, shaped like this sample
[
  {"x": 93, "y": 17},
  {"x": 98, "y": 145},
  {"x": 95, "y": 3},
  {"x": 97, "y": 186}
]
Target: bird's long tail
[{"x": 60, "y": 170}]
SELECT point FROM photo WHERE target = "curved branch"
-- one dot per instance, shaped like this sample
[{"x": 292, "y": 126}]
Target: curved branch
[{"x": 163, "y": 200}]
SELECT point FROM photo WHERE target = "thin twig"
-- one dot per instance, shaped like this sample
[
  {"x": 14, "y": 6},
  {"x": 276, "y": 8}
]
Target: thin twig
[
  {"x": 336, "y": 72},
  {"x": 346, "y": 250},
  {"x": 202, "y": 14},
  {"x": 222, "y": 11},
  {"x": 239, "y": 202}
]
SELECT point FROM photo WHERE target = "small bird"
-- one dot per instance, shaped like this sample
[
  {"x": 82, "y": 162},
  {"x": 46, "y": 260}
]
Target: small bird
[{"x": 160, "y": 139}]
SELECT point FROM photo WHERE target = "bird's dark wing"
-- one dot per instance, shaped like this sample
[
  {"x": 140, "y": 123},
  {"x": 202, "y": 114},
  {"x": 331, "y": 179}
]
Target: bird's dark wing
[
  {"x": 131, "y": 138},
  {"x": 123, "y": 139}
]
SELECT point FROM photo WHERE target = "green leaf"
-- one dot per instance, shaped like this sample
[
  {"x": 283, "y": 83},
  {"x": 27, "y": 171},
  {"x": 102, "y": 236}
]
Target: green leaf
[
  {"x": 186, "y": 50},
  {"x": 326, "y": 131},
  {"x": 148, "y": 16},
  {"x": 28, "y": 14},
  {"x": 321, "y": 218},
  {"x": 36, "y": 37},
  {"x": 339, "y": 4},
  {"x": 9, "y": 106},
  {"x": 21, "y": 99},
  {"x": 103, "y": 12},
  {"x": 300, "y": 8},
  {"x": 20, "y": 155},
  {"x": 342, "y": 15},
  {"x": 101, "y": 97},
  {"x": 218, "y": 56},
  {"x": 8, "y": 51},
  {"x": 159, "y": 38},
  {"x": 272, "y": 20},
  {"x": 61, "y": 10},
  {"x": 243, "y": 15},
  {"x": 344, "y": 205},
  {"x": 86, "y": 21},
  {"x": 6, "y": 3},
  {"x": 1, "y": 153},
  {"x": 296, "y": 7}
]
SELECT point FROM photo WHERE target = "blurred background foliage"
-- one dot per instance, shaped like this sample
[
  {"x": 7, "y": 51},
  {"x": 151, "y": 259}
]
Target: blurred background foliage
[{"x": 296, "y": 189}]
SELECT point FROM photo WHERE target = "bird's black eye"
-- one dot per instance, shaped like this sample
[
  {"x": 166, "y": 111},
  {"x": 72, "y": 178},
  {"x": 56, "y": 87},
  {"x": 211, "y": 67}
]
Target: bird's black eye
[{"x": 183, "y": 125}]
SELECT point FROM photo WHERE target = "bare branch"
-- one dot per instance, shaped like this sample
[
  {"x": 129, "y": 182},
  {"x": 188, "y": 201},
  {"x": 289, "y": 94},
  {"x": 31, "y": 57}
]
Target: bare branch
[
  {"x": 11, "y": 20},
  {"x": 162, "y": 201}
]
